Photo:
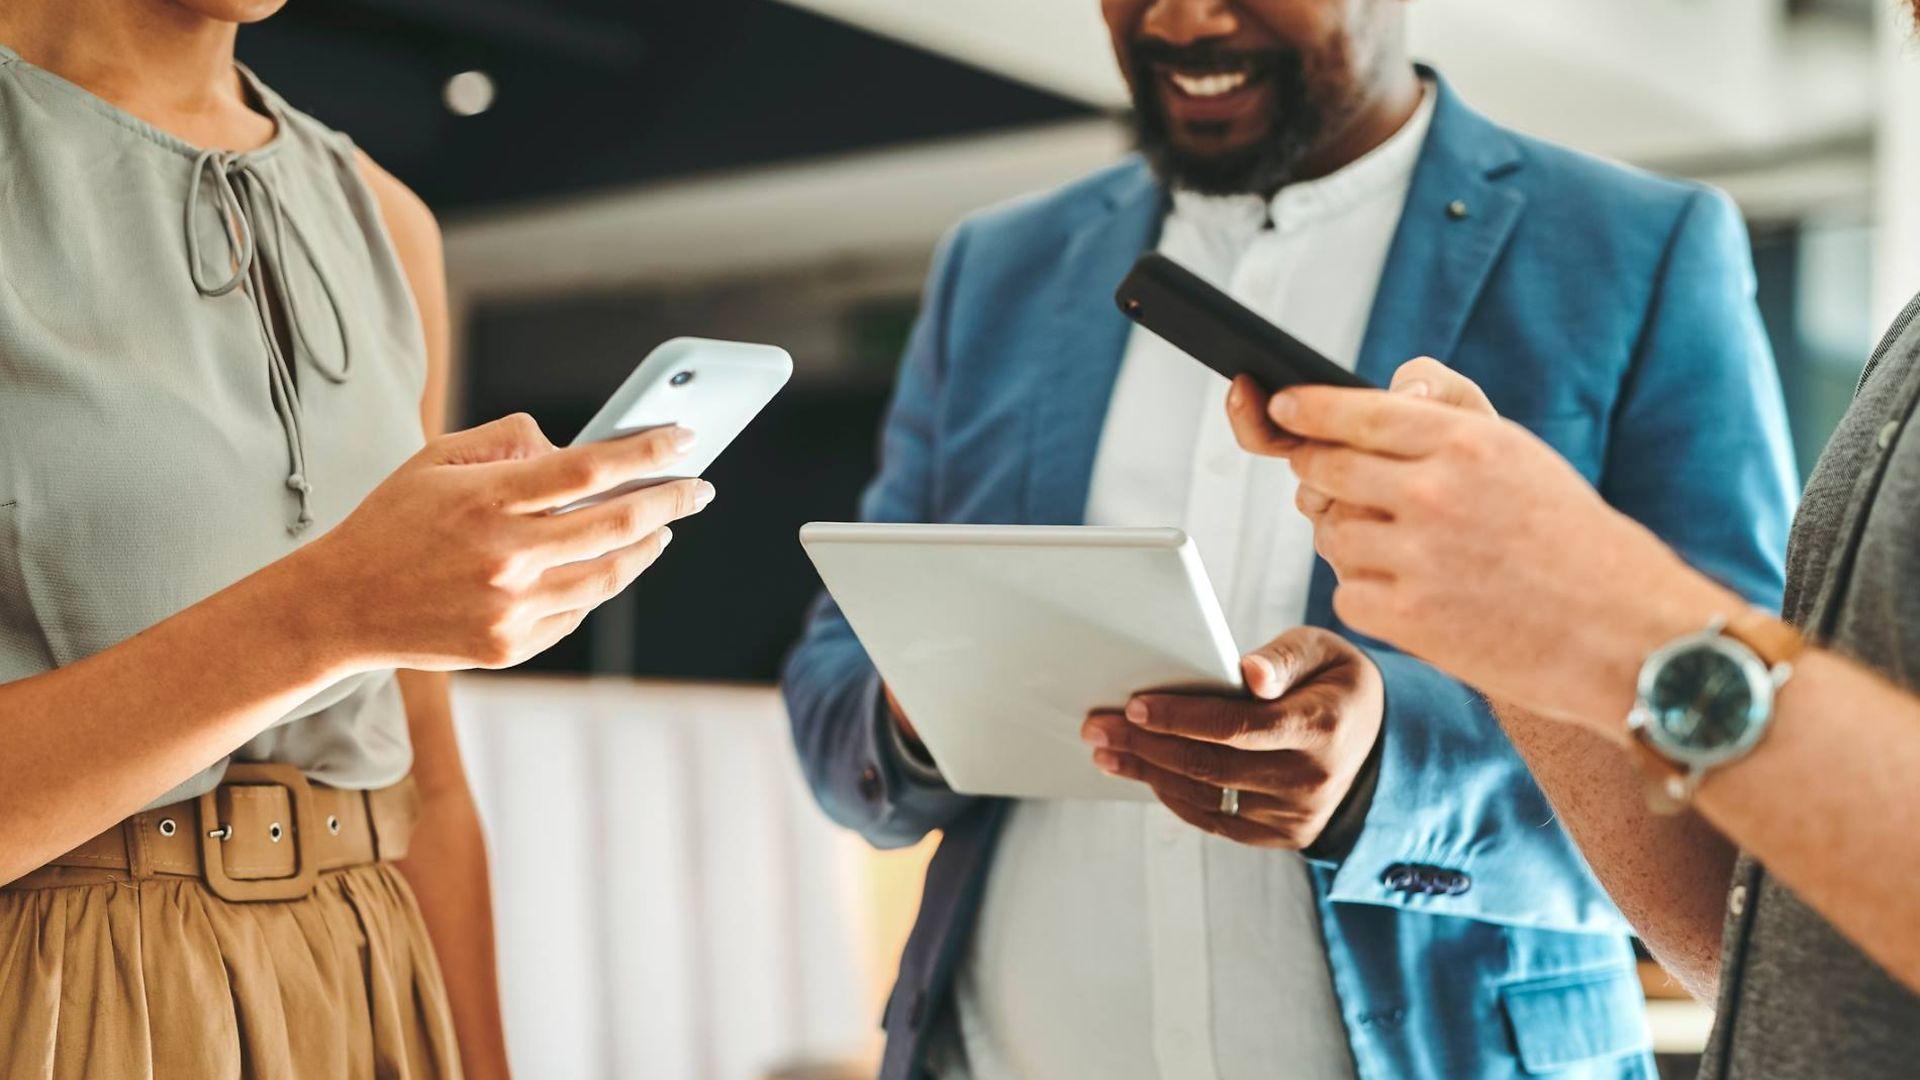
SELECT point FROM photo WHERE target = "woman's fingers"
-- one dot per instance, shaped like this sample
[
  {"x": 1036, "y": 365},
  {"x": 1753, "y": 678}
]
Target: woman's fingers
[
  {"x": 586, "y": 585},
  {"x": 563, "y": 477},
  {"x": 510, "y": 438},
  {"x": 552, "y": 630},
  {"x": 617, "y": 523}
]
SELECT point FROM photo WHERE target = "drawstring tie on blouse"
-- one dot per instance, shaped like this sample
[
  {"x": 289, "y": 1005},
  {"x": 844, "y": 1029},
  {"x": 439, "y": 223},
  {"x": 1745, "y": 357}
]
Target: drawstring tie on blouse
[{"x": 246, "y": 201}]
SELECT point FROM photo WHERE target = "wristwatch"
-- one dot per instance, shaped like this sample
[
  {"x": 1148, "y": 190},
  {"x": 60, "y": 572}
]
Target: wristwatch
[{"x": 1707, "y": 700}]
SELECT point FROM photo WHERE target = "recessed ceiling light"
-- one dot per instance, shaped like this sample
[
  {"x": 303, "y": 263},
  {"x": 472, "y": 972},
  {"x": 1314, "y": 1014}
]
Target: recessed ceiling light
[{"x": 469, "y": 93}]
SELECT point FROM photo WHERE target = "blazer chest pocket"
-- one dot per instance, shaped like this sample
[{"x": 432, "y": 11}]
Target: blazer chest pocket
[{"x": 1565, "y": 1025}]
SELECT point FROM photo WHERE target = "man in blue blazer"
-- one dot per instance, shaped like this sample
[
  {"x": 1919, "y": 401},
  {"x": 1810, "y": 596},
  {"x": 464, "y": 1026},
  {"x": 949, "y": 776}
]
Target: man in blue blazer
[{"x": 1349, "y": 872}]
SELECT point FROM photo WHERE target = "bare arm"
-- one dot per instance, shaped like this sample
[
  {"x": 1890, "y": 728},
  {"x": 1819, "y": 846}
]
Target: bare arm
[
  {"x": 1830, "y": 804},
  {"x": 1468, "y": 541},
  {"x": 453, "y": 562},
  {"x": 447, "y": 862},
  {"x": 1668, "y": 875},
  {"x": 93, "y": 742},
  {"x": 447, "y": 867}
]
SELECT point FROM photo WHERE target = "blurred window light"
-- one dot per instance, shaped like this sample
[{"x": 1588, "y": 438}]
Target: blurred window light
[
  {"x": 1835, "y": 298},
  {"x": 469, "y": 93}
]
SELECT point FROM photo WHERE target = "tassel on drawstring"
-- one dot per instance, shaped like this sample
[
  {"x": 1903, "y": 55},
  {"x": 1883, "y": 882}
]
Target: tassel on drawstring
[
  {"x": 241, "y": 193},
  {"x": 299, "y": 485}
]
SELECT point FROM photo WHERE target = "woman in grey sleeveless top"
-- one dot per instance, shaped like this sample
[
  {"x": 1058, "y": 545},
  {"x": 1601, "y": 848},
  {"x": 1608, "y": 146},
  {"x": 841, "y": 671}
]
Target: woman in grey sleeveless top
[
  {"x": 1747, "y": 788},
  {"x": 223, "y": 527}
]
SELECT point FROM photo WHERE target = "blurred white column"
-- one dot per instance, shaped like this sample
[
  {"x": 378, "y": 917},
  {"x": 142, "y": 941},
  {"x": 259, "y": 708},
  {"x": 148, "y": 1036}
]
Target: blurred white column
[
  {"x": 670, "y": 904},
  {"x": 1897, "y": 259}
]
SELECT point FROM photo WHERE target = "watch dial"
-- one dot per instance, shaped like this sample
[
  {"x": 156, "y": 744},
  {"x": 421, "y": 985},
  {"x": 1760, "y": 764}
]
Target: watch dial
[{"x": 1701, "y": 700}]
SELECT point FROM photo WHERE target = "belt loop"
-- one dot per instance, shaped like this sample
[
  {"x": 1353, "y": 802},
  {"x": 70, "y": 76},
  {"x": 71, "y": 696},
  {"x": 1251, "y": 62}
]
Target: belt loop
[
  {"x": 365, "y": 799},
  {"x": 133, "y": 832},
  {"x": 391, "y": 818}
]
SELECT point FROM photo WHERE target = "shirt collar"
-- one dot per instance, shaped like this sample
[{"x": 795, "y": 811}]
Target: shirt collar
[{"x": 1388, "y": 167}]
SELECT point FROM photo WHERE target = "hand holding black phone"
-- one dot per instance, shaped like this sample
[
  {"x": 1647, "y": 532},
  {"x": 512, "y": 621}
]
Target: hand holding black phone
[{"x": 1220, "y": 332}]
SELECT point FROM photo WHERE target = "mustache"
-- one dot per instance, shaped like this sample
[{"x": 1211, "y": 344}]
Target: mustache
[{"x": 1213, "y": 56}]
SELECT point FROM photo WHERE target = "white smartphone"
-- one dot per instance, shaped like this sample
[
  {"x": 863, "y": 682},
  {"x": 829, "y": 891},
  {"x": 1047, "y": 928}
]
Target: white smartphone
[{"x": 712, "y": 388}]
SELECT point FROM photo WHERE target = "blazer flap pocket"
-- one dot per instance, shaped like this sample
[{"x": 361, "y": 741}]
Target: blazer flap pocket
[{"x": 1565, "y": 1020}]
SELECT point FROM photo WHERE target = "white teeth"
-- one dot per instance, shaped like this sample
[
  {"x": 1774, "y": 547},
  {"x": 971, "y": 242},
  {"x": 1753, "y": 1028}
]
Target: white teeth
[{"x": 1207, "y": 86}]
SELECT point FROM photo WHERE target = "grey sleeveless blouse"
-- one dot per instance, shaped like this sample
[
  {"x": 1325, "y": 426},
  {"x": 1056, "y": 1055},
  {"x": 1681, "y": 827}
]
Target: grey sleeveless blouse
[{"x": 206, "y": 359}]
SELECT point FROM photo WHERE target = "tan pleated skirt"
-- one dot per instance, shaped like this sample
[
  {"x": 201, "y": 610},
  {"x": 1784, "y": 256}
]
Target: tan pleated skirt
[{"x": 163, "y": 980}]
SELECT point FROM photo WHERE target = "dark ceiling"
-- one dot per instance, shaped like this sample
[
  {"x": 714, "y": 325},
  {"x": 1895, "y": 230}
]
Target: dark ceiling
[{"x": 606, "y": 93}]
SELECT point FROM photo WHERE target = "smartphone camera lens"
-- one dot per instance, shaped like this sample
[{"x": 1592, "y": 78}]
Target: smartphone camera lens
[{"x": 681, "y": 378}]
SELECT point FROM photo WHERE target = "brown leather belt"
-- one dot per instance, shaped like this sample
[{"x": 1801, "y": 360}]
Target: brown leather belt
[{"x": 266, "y": 833}]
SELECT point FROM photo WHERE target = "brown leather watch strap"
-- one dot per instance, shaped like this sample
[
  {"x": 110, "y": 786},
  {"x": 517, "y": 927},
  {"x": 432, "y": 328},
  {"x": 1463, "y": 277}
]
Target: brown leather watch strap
[
  {"x": 1670, "y": 785},
  {"x": 1772, "y": 640}
]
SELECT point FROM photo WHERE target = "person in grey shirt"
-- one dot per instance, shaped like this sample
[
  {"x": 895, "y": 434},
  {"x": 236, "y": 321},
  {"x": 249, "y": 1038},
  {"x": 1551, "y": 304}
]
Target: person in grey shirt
[
  {"x": 1708, "y": 758},
  {"x": 1744, "y": 787},
  {"x": 1747, "y": 788}
]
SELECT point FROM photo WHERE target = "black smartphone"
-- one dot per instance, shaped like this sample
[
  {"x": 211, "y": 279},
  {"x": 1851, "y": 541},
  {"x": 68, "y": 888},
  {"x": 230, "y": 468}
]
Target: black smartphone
[{"x": 1221, "y": 332}]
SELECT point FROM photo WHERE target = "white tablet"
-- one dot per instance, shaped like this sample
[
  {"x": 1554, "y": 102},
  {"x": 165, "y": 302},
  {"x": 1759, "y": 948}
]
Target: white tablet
[{"x": 998, "y": 640}]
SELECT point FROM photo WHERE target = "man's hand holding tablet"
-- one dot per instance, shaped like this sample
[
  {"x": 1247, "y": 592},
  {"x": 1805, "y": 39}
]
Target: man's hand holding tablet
[
  {"x": 1290, "y": 753},
  {"x": 997, "y": 640}
]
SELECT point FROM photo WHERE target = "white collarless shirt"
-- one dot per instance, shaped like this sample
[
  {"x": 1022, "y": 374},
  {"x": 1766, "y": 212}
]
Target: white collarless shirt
[{"x": 1114, "y": 940}]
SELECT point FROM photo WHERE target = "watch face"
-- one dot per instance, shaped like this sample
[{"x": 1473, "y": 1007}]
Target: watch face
[{"x": 1703, "y": 701}]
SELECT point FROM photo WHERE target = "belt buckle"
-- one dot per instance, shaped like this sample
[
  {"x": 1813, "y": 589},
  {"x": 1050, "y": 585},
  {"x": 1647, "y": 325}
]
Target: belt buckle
[{"x": 213, "y": 833}]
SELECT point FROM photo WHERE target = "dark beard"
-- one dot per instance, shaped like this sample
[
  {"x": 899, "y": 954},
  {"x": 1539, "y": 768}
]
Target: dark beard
[{"x": 1261, "y": 169}]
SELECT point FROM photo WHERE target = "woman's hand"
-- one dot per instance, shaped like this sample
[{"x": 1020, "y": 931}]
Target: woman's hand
[
  {"x": 1465, "y": 540},
  {"x": 456, "y": 561}
]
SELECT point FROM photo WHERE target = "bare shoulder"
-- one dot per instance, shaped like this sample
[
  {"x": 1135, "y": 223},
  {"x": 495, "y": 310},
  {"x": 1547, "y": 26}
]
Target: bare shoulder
[
  {"x": 416, "y": 243},
  {"x": 415, "y": 231}
]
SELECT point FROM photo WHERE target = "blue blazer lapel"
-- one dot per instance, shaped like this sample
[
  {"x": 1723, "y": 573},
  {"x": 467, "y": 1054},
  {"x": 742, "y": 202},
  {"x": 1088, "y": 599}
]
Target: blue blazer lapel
[
  {"x": 1459, "y": 216},
  {"x": 1458, "y": 219},
  {"x": 1078, "y": 358}
]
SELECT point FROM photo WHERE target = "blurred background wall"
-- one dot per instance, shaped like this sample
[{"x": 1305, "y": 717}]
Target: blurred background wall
[{"x": 611, "y": 173}]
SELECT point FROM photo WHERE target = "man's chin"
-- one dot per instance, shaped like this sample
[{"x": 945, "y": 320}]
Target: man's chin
[
  {"x": 1223, "y": 162},
  {"x": 1217, "y": 172}
]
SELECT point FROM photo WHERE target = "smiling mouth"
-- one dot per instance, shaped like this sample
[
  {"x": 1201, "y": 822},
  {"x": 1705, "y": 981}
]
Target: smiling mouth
[{"x": 1208, "y": 84}]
